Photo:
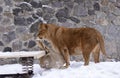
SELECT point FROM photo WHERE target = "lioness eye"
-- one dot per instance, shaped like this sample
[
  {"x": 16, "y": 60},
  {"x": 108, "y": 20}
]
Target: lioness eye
[{"x": 42, "y": 31}]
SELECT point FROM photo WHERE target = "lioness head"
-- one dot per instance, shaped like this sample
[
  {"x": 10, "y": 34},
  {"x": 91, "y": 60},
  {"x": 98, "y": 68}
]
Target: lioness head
[
  {"x": 46, "y": 31},
  {"x": 43, "y": 31}
]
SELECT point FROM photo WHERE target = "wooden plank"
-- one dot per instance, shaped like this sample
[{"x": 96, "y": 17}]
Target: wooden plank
[
  {"x": 35, "y": 54},
  {"x": 18, "y": 75}
]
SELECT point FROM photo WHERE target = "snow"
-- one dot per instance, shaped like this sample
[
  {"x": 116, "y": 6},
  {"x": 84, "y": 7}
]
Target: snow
[
  {"x": 35, "y": 54},
  {"x": 11, "y": 69},
  {"x": 76, "y": 70}
]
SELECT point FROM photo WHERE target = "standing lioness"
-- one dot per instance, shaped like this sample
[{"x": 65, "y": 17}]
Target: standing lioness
[{"x": 73, "y": 41}]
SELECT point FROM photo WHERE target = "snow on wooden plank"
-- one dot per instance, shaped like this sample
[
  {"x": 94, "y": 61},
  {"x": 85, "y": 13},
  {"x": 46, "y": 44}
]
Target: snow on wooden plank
[
  {"x": 35, "y": 54},
  {"x": 11, "y": 69}
]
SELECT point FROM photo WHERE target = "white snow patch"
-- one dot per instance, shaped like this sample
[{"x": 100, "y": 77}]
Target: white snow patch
[
  {"x": 46, "y": 6},
  {"x": 78, "y": 70},
  {"x": 25, "y": 3},
  {"x": 11, "y": 69}
]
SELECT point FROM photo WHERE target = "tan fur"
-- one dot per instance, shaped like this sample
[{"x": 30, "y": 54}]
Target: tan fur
[
  {"x": 51, "y": 59},
  {"x": 73, "y": 41}
]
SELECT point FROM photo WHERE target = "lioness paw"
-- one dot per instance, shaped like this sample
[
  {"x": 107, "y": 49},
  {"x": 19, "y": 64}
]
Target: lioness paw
[{"x": 63, "y": 67}]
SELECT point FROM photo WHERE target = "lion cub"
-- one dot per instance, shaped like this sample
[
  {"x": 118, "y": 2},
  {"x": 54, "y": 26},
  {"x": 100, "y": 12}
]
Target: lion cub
[
  {"x": 51, "y": 59},
  {"x": 73, "y": 41}
]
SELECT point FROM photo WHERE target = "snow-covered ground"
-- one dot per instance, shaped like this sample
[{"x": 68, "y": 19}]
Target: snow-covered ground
[{"x": 76, "y": 70}]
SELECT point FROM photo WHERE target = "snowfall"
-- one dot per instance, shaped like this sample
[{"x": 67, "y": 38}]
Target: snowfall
[{"x": 76, "y": 70}]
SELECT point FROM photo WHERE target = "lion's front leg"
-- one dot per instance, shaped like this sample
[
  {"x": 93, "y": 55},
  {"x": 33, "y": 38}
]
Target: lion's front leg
[{"x": 66, "y": 57}]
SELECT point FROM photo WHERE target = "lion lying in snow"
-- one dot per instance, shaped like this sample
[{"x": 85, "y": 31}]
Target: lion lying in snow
[{"x": 73, "y": 41}]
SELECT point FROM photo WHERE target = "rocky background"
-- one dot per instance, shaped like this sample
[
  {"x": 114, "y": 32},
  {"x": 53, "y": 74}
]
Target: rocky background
[{"x": 19, "y": 20}]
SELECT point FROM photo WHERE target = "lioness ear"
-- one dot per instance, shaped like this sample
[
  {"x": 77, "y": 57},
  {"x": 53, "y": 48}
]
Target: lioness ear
[{"x": 46, "y": 26}]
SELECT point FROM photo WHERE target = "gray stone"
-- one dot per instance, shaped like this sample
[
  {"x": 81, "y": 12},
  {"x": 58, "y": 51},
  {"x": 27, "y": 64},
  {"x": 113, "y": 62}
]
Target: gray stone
[
  {"x": 96, "y": 6},
  {"x": 112, "y": 0},
  {"x": 80, "y": 11},
  {"x": 7, "y": 49},
  {"x": 26, "y": 36},
  {"x": 24, "y": 50},
  {"x": 111, "y": 17},
  {"x": 117, "y": 20},
  {"x": 52, "y": 21},
  {"x": 20, "y": 21},
  {"x": 16, "y": 11},
  {"x": 20, "y": 30},
  {"x": 34, "y": 27},
  {"x": 31, "y": 44},
  {"x": 117, "y": 5},
  {"x": 17, "y": 45},
  {"x": 57, "y": 4},
  {"x": 68, "y": 24},
  {"x": 48, "y": 10},
  {"x": 61, "y": 19},
  {"x": 39, "y": 12},
  {"x": 30, "y": 20},
  {"x": 47, "y": 16},
  {"x": 74, "y": 19},
  {"x": 1, "y": 9},
  {"x": 1, "y": 2},
  {"x": 1, "y": 43},
  {"x": 63, "y": 13},
  {"x": 25, "y": 6},
  {"x": 118, "y": 1},
  {"x": 91, "y": 12},
  {"x": 113, "y": 32},
  {"x": 1, "y": 17},
  {"x": 118, "y": 50},
  {"x": 105, "y": 2},
  {"x": 10, "y": 28},
  {"x": 9, "y": 37},
  {"x": 26, "y": 43},
  {"x": 8, "y": 2},
  {"x": 67, "y": 0},
  {"x": 102, "y": 21},
  {"x": 12, "y": 35},
  {"x": 35, "y": 16},
  {"x": 111, "y": 48},
  {"x": 45, "y": 2},
  {"x": 36, "y": 4},
  {"x": 18, "y": 0},
  {"x": 27, "y": 1},
  {"x": 6, "y": 21},
  {"x": 114, "y": 9},
  {"x": 88, "y": 4},
  {"x": 6, "y": 38},
  {"x": 2, "y": 29},
  {"x": 79, "y": 1},
  {"x": 69, "y": 4},
  {"x": 100, "y": 14},
  {"x": 105, "y": 10}
]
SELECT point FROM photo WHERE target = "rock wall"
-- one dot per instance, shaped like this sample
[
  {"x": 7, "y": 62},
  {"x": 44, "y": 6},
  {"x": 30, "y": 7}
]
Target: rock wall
[{"x": 19, "y": 20}]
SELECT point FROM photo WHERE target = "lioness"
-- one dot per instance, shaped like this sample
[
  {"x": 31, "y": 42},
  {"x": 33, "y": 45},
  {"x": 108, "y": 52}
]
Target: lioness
[{"x": 73, "y": 41}]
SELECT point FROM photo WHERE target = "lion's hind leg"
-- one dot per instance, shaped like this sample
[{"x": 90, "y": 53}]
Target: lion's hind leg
[
  {"x": 66, "y": 57},
  {"x": 86, "y": 56},
  {"x": 96, "y": 53}
]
